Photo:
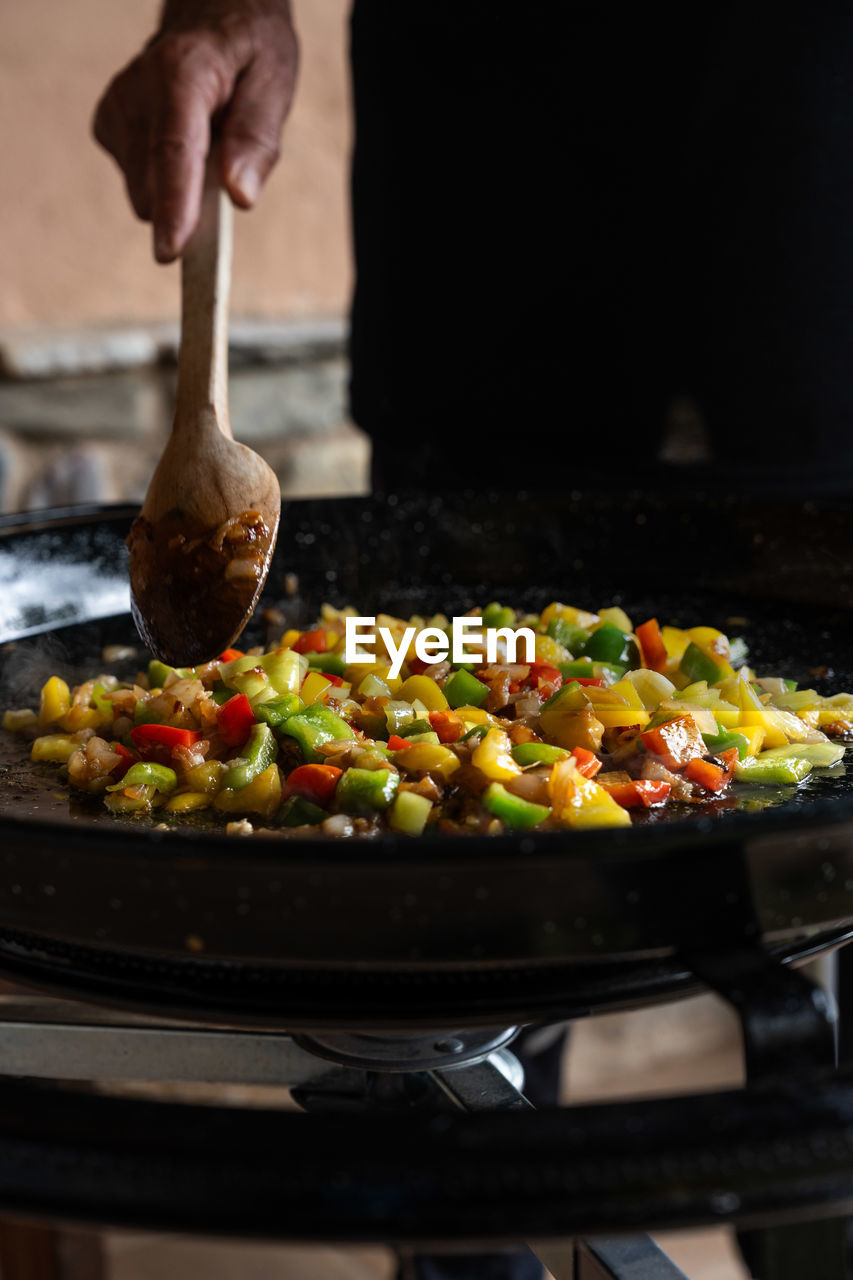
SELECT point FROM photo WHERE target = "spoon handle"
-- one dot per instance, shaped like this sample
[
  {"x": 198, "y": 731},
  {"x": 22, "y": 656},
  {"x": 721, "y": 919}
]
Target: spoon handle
[{"x": 205, "y": 286}]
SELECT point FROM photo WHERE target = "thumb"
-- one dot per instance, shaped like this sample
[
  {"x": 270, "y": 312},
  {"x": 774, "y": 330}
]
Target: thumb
[{"x": 251, "y": 129}]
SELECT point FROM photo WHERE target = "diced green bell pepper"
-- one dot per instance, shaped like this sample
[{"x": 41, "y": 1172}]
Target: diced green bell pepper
[
  {"x": 607, "y": 644},
  {"x": 398, "y": 713},
  {"x": 101, "y": 701},
  {"x": 277, "y": 710},
  {"x": 465, "y": 690},
  {"x": 312, "y": 727},
  {"x": 514, "y": 812},
  {"x": 159, "y": 672},
  {"x": 299, "y": 812},
  {"x": 255, "y": 684},
  {"x": 409, "y": 813},
  {"x": 413, "y": 727},
  {"x": 142, "y": 713},
  {"x": 696, "y": 665},
  {"x": 221, "y": 693},
  {"x": 332, "y": 663},
  {"x": 476, "y": 734},
  {"x": 285, "y": 670},
  {"x": 429, "y": 735},
  {"x": 569, "y": 635},
  {"x": 498, "y": 615},
  {"x": 772, "y": 771},
  {"x": 724, "y": 741},
  {"x": 537, "y": 753},
  {"x": 363, "y": 791},
  {"x": 583, "y": 668},
  {"x": 258, "y": 754},
  {"x": 143, "y": 774}
]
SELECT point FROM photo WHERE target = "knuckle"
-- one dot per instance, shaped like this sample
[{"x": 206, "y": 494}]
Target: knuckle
[
  {"x": 266, "y": 145},
  {"x": 170, "y": 148}
]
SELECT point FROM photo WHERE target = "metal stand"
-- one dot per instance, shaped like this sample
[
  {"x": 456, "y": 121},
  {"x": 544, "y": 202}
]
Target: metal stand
[
  {"x": 790, "y": 1027},
  {"x": 466, "y": 1070}
]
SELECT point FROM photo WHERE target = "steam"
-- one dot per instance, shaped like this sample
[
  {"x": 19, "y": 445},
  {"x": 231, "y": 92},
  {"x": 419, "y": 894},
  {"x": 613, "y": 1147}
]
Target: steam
[{"x": 39, "y": 595}]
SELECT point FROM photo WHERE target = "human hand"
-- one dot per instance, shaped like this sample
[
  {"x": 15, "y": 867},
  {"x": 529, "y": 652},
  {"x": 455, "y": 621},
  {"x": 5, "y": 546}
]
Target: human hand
[{"x": 230, "y": 62}]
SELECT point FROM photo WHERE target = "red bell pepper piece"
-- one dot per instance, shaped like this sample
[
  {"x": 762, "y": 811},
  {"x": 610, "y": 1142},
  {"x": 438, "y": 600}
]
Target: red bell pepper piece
[
  {"x": 235, "y": 719},
  {"x": 641, "y": 792},
  {"x": 447, "y": 725},
  {"x": 717, "y": 775},
  {"x": 676, "y": 742},
  {"x": 396, "y": 743},
  {"x": 586, "y": 680},
  {"x": 315, "y": 782},
  {"x": 228, "y": 655},
  {"x": 333, "y": 679},
  {"x": 707, "y": 774},
  {"x": 587, "y": 762},
  {"x": 545, "y": 678},
  {"x": 155, "y": 742},
  {"x": 311, "y": 642},
  {"x": 651, "y": 645},
  {"x": 127, "y": 759},
  {"x": 728, "y": 758}
]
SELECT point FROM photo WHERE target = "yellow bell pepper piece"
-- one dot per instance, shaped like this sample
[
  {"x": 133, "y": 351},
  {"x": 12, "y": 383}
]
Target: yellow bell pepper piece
[
  {"x": 356, "y": 671},
  {"x": 675, "y": 641},
  {"x": 616, "y": 617},
  {"x": 474, "y": 715},
  {"x": 262, "y": 795},
  {"x": 77, "y": 717},
  {"x": 425, "y": 689},
  {"x": 754, "y": 734},
  {"x": 314, "y": 688},
  {"x": 56, "y": 748},
  {"x": 726, "y": 714},
  {"x": 625, "y": 689},
  {"x": 616, "y": 717},
  {"x": 580, "y": 802},
  {"x": 187, "y": 802},
  {"x": 580, "y": 617},
  {"x": 753, "y": 712},
  {"x": 493, "y": 757},
  {"x": 55, "y": 701},
  {"x": 14, "y": 721},
  {"x": 548, "y": 650},
  {"x": 205, "y": 777},
  {"x": 426, "y": 757}
]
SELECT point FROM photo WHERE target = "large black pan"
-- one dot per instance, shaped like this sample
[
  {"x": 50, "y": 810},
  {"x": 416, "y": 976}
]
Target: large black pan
[{"x": 393, "y": 930}]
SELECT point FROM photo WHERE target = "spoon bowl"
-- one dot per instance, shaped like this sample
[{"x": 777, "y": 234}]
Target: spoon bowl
[{"x": 201, "y": 546}]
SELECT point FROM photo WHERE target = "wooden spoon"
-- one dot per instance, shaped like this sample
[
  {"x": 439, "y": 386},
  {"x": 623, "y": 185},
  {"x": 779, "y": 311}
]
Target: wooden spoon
[{"x": 201, "y": 546}]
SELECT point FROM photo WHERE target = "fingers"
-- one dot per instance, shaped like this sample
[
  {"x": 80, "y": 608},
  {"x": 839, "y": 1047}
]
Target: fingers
[
  {"x": 176, "y": 160},
  {"x": 251, "y": 129},
  {"x": 155, "y": 118},
  {"x": 124, "y": 134}
]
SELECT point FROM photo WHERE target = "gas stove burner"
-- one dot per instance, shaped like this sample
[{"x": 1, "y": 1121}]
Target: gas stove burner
[{"x": 369, "y": 1051}]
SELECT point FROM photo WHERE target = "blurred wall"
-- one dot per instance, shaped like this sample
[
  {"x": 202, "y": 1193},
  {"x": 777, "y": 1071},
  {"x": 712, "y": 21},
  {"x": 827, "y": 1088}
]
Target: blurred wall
[{"x": 73, "y": 254}]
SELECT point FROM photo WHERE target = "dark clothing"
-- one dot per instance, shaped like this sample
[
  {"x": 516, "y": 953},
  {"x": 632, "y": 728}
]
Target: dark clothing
[{"x": 566, "y": 215}]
